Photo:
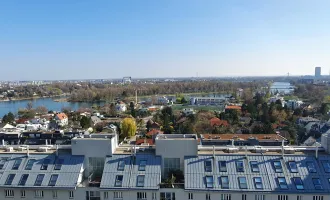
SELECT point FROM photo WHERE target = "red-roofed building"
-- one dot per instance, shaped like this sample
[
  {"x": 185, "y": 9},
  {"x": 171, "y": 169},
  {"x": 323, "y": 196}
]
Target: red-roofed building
[
  {"x": 144, "y": 141},
  {"x": 231, "y": 107},
  {"x": 218, "y": 122},
  {"x": 62, "y": 119},
  {"x": 154, "y": 132}
]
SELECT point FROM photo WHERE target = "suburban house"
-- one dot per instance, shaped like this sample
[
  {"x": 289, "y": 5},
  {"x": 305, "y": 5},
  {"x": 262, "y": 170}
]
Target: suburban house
[
  {"x": 121, "y": 107},
  {"x": 61, "y": 119},
  {"x": 218, "y": 122},
  {"x": 95, "y": 120},
  {"x": 188, "y": 111}
]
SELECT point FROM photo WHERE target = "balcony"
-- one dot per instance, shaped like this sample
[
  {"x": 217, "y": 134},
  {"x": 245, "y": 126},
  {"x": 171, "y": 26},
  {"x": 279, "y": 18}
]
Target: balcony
[{"x": 94, "y": 180}]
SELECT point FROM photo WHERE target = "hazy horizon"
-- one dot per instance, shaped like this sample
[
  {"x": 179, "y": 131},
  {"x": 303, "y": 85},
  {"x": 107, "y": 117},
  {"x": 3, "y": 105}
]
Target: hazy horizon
[{"x": 60, "y": 40}]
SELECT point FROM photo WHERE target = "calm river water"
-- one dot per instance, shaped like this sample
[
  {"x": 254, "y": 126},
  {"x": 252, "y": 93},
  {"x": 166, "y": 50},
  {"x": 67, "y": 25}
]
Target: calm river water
[{"x": 14, "y": 106}]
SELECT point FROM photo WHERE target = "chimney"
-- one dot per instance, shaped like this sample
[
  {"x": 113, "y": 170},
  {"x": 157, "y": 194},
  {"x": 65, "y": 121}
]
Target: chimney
[{"x": 316, "y": 152}]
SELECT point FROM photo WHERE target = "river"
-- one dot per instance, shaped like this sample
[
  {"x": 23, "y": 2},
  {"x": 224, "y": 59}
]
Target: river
[{"x": 49, "y": 103}]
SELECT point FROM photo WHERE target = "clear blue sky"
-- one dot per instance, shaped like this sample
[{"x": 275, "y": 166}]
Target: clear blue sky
[{"x": 73, "y": 39}]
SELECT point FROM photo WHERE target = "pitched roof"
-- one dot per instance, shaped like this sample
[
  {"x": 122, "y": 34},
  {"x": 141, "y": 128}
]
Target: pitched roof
[
  {"x": 141, "y": 141},
  {"x": 153, "y": 132},
  {"x": 67, "y": 175},
  {"x": 61, "y": 116},
  {"x": 218, "y": 122},
  {"x": 152, "y": 172},
  {"x": 233, "y": 107}
]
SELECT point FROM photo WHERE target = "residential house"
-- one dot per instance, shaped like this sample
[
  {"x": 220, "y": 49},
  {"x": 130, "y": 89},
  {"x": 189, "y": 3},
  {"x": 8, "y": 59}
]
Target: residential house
[
  {"x": 218, "y": 122},
  {"x": 188, "y": 111},
  {"x": 61, "y": 119},
  {"x": 294, "y": 104},
  {"x": 95, "y": 120},
  {"x": 121, "y": 107}
]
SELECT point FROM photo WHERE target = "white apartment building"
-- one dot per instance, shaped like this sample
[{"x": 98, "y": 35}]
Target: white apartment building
[{"x": 96, "y": 168}]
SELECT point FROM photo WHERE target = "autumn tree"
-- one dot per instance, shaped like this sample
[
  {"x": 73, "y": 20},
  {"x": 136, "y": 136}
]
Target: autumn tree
[
  {"x": 128, "y": 127},
  {"x": 41, "y": 110}
]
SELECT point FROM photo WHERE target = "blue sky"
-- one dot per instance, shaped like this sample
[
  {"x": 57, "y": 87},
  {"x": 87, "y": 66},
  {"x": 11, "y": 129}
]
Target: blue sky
[{"x": 110, "y": 39}]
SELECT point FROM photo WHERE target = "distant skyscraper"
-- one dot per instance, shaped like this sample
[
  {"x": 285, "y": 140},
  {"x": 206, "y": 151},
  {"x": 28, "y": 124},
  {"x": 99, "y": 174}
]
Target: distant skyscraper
[{"x": 317, "y": 71}]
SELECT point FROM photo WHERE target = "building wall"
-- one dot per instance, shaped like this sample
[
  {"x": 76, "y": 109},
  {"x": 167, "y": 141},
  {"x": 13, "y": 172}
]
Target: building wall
[{"x": 92, "y": 147}]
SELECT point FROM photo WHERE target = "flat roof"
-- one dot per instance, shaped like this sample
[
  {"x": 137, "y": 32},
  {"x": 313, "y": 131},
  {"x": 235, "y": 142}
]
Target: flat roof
[{"x": 242, "y": 137}]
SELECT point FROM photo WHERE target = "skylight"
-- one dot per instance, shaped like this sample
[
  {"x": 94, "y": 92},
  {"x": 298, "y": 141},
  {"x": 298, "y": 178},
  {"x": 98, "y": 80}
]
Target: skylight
[
  {"x": 326, "y": 166},
  {"x": 258, "y": 182},
  {"x": 142, "y": 165},
  {"x": 282, "y": 183},
  {"x": 39, "y": 179},
  {"x": 10, "y": 179},
  {"x": 254, "y": 166},
  {"x": 29, "y": 164},
  {"x": 121, "y": 165},
  {"x": 17, "y": 164},
  {"x": 239, "y": 166},
  {"x": 278, "y": 166},
  {"x": 317, "y": 184},
  {"x": 140, "y": 181},
  {"x": 119, "y": 181},
  {"x": 293, "y": 167},
  {"x": 58, "y": 164},
  {"x": 209, "y": 181},
  {"x": 23, "y": 179},
  {"x": 2, "y": 162},
  {"x": 298, "y": 182},
  {"x": 242, "y": 182},
  {"x": 311, "y": 167},
  {"x": 224, "y": 182},
  {"x": 223, "y": 166},
  {"x": 208, "y": 166},
  {"x": 45, "y": 164},
  {"x": 53, "y": 179}
]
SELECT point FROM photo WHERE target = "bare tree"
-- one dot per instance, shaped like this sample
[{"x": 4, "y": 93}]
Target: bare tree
[
  {"x": 41, "y": 110},
  {"x": 29, "y": 105}
]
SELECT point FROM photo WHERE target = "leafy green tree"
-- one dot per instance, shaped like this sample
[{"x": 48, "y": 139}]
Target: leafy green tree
[
  {"x": 8, "y": 118},
  {"x": 128, "y": 127},
  {"x": 85, "y": 122}
]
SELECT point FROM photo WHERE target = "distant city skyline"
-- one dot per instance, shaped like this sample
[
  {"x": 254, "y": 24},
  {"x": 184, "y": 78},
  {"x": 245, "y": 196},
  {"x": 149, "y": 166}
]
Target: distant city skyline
[{"x": 62, "y": 40}]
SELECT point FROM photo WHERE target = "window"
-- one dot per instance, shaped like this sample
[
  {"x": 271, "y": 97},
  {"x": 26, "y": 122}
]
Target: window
[
  {"x": 311, "y": 167},
  {"x": 298, "y": 182},
  {"x": 39, "y": 179},
  {"x": 259, "y": 197},
  {"x": 317, "y": 197},
  {"x": 190, "y": 196},
  {"x": 119, "y": 181},
  {"x": 54, "y": 194},
  {"x": 299, "y": 198},
  {"x": 141, "y": 195},
  {"x": 106, "y": 195},
  {"x": 277, "y": 166},
  {"x": 293, "y": 167},
  {"x": 239, "y": 166},
  {"x": 140, "y": 181},
  {"x": 29, "y": 164},
  {"x": 282, "y": 197},
  {"x": 71, "y": 194},
  {"x": 209, "y": 181},
  {"x": 23, "y": 179},
  {"x": 93, "y": 195},
  {"x": 224, "y": 182},
  {"x": 45, "y": 164},
  {"x": 58, "y": 164},
  {"x": 282, "y": 183},
  {"x": 53, "y": 179},
  {"x": 208, "y": 197},
  {"x": 9, "y": 193},
  {"x": 171, "y": 164},
  {"x": 207, "y": 166},
  {"x": 10, "y": 179},
  {"x": 243, "y": 196},
  {"x": 154, "y": 196},
  {"x": 17, "y": 163},
  {"x": 38, "y": 194},
  {"x": 326, "y": 166},
  {"x": 254, "y": 166},
  {"x": 242, "y": 182},
  {"x": 222, "y": 166},
  {"x": 22, "y": 193},
  {"x": 142, "y": 165},
  {"x": 317, "y": 184},
  {"x": 167, "y": 196},
  {"x": 118, "y": 195},
  {"x": 2, "y": 162},
  {"x": 225, "y": 197},
  {"x": 258, "y": 182},
  {"x": 121, "y": 165}
]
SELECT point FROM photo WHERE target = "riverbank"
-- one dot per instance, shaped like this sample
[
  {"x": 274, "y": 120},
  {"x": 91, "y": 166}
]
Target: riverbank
[{"x": 30, "y": 98}]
